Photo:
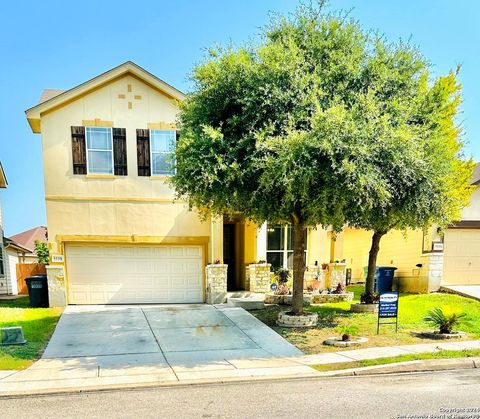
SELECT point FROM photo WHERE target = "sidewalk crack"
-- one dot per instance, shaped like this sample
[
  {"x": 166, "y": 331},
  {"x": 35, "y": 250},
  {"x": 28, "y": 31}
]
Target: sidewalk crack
[{"x": 159, "y": 346}]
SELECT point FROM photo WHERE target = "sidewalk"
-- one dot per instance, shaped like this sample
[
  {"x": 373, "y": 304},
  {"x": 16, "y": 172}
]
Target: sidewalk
[{"x": 93, "y": 373}]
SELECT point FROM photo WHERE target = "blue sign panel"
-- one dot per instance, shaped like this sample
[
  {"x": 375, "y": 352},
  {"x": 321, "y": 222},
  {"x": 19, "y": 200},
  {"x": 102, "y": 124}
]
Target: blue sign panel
[
  {"x": 273, "y": 287},
  {"x": 388, "y": 309},
  {"x": 388, "y": 305}
]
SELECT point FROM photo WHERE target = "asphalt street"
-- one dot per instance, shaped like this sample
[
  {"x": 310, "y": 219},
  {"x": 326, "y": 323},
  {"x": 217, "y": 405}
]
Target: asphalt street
[{"x": 448, "y": 394}]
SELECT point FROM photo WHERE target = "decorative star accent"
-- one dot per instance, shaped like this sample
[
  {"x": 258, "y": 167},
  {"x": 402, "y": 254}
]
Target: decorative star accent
[{"x": 129, "y": 96}]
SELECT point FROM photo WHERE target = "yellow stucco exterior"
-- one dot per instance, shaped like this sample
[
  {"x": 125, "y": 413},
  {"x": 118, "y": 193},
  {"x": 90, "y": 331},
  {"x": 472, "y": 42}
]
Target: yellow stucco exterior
[
  {"x": 141, "y": 209},
  {"x": 403, "y": 250},
  {"x": 93, "y": 205}
]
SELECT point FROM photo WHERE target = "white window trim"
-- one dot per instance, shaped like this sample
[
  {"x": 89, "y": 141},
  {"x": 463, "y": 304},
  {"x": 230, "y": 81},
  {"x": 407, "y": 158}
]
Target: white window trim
[
  {"x": 97, "y": 149},
  {"x": 285, "y": 251},
  {"x": 174, "y": 171}
]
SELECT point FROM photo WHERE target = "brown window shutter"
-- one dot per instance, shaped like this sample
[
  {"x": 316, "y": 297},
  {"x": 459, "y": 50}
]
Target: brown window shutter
[
  {"x": 119, "y": 151},
  {"x": 143, "y": 152},
  {"x": 79, "y": 153}
]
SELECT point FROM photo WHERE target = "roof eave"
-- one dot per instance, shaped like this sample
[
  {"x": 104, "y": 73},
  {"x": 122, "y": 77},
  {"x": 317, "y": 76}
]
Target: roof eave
[
  {"x": 3, "y": 178},
  {"x": 34, "y": 113}
]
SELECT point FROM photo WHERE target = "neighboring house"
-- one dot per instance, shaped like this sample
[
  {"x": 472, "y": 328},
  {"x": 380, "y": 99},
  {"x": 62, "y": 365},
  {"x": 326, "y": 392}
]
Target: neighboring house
[
  {"x": 14, "y": 254},
  {"x": 27, "y": 239},
  {"x": 115, "y": 233},
  {"x": 425, "y": 260},
  {"x": 3, "y": 258}
]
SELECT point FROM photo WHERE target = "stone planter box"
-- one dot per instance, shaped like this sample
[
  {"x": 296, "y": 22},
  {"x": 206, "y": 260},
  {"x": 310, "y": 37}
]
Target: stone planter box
[
  {"x": 364, "y": 308},
  {"x": 344, "y": 343},
  {"x": 307, "y": 299},
  {"x": 438, "y": 335},
  {"x": 332, "y": 298},
  {"x": 271, "y": 298},
  {"x": 305, "y": 320}
]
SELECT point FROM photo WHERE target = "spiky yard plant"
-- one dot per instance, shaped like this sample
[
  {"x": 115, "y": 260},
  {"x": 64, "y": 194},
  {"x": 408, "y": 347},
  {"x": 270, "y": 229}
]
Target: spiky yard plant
[{"x": 444, "y": 322}]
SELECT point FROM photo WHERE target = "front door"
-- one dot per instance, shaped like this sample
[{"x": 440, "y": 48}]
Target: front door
[{"x": 229, "y": 255}]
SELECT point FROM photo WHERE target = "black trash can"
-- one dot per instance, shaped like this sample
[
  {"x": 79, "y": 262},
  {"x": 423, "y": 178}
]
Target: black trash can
[
  {"x": 38, "y": 290},
  {"x": 384, "y": 278}
]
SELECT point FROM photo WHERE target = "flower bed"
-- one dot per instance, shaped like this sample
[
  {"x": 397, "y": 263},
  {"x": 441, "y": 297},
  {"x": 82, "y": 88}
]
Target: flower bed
[{"x": 331, "y": 298}]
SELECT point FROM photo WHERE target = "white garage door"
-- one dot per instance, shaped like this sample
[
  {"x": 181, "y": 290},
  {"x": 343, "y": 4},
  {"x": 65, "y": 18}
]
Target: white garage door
[
  {"x": 103, "y": 274},
  {"x": 462, "y": 257}
]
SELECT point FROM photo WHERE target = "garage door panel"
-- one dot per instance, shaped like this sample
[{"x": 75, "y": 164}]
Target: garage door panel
[
  {"x": 134, "y": 274},
  {"x": 462, "y": 257}
]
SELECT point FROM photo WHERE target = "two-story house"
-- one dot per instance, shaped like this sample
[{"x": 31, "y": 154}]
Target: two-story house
[{"x": 116, "y": 234}]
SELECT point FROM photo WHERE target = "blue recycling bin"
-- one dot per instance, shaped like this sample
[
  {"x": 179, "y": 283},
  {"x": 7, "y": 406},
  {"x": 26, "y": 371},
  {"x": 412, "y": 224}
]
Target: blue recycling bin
[{"x": 384, "y": 278}]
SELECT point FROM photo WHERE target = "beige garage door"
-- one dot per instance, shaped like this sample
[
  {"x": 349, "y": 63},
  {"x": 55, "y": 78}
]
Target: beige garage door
[
  {"x": 462, "y": 257},
  {"x": 103, "y": 274}
]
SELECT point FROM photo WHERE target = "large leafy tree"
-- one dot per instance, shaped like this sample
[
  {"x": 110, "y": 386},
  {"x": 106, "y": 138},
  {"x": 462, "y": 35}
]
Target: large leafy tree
[{"x": 298, "y": 129}]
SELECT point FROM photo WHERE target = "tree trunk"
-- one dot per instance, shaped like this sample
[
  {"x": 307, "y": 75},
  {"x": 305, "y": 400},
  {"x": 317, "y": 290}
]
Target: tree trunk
[
  {"x": 298, "y": 265},
  {"x": 372, "y": 265}
]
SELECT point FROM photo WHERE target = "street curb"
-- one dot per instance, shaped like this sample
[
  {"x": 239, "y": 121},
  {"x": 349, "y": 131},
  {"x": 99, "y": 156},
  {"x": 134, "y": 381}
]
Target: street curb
[
  {"x": 396, "y": 368},
  {"x": 153, "y": 385},
  {"x": 408, "y": 367}
]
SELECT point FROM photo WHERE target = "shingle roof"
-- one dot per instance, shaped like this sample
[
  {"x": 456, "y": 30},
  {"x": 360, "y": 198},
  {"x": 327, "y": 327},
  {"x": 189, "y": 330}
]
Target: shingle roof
[{"x": 27, "y": 238}]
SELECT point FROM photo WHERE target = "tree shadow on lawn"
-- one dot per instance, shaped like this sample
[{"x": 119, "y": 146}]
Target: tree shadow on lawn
[{"x": 20, "y": 302}]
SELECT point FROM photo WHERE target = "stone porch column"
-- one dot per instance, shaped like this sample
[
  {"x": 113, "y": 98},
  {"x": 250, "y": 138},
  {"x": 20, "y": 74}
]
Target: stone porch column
[
  {"x": 56, "y": 286},
  {"x": 432, "y": 270},
  {"x": 216, "y": 275}
]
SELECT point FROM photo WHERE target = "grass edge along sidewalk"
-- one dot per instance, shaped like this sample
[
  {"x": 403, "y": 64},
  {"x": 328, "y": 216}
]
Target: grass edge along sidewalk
[
  {"x": 38, "y": 325},
  {"x": 442, "y": 354}
]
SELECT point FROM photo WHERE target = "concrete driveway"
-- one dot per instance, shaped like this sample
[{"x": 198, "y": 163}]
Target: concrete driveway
[
  {"x": 472, "y": 291},
  {"x": 173, "y": 341}
]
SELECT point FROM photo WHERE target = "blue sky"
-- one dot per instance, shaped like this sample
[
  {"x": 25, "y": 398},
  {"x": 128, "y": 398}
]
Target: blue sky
[{"x": 59, "y": 44}]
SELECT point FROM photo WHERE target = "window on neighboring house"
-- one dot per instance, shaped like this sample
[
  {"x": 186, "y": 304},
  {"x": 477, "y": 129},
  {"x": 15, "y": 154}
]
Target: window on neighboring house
[
  {"x": 2, "y": 267},
  {"x": 99, "y": 150},
  {"x": 280, "y": 246},
  {"x": 162, "y": 150}
]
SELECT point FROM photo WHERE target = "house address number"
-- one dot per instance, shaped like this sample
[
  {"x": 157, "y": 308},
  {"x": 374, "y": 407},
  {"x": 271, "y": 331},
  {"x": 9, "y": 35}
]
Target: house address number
[{"x": 57, "y": 258}]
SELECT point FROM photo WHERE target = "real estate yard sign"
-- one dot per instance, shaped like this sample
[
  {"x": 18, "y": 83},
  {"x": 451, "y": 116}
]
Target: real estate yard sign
[{"x": 388, "y": 309}]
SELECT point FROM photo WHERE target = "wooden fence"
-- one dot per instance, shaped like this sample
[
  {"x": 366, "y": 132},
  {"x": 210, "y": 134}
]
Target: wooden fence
[{"x": 24, "y": 270}]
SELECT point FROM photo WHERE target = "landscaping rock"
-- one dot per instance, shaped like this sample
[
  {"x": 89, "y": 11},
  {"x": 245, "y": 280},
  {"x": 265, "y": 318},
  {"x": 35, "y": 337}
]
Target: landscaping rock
[
  {"x": 344, "y": 343},
  {"x": 438, "y": 335},
  {"x": 364, "y": 308},
  {"x": 304, "y": 320}
]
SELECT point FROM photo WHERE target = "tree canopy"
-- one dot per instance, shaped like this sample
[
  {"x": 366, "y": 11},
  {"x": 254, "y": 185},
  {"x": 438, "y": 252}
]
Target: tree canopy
[{"x": 322, "y": 123}]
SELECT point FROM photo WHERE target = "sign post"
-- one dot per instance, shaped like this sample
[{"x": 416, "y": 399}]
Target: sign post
[{"x": 388, "y": 309}]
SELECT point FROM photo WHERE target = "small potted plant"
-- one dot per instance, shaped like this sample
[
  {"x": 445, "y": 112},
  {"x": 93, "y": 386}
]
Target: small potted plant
[
  {"x": 444, "y": 324},
  {"x": 282, "y": 275}
]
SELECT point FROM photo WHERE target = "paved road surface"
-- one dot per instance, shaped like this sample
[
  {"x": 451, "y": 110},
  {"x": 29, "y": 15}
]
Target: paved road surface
[{"x": 352, "y": 397}]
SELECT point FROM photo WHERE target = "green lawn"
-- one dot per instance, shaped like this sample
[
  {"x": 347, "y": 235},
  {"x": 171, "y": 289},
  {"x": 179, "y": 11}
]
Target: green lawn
[
  {"x": 401, "y": 358},
  {"x": 38, "y": 325},
  {"x": 412, "y": 308}
]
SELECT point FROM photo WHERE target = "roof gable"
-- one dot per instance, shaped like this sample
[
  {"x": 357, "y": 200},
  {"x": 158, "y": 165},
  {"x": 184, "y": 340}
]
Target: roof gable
[{"x": 51, "y": 103}]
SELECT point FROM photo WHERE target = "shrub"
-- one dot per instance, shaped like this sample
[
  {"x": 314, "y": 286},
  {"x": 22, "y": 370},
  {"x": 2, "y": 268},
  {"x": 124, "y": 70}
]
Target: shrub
[{"x": 445, "y": 323}]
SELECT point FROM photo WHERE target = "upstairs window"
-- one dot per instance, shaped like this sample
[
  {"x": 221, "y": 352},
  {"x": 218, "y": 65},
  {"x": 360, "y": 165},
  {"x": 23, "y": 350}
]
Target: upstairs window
[
  {"x": 99, "y": 150},
  {"x": 162, "y": 150}
]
